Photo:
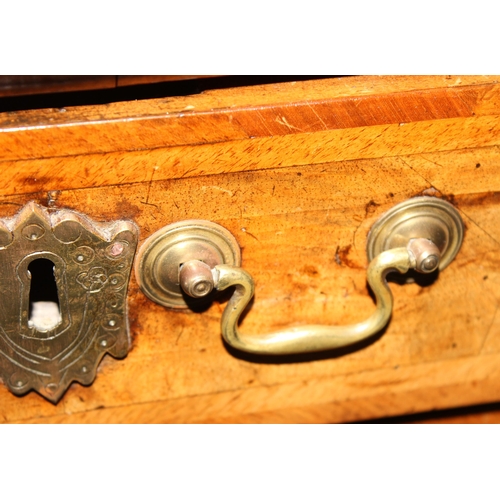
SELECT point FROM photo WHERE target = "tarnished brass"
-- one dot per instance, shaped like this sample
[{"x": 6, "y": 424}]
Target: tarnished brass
[
  {"x": 309, "y": 338},
  {"x": 160, "y": 258},
  {"x": 196, "y": 278},
  {"x": 92, "y": 263},
  {"x": 417, "y": 234},
  {"x": 422, "y": 217}
]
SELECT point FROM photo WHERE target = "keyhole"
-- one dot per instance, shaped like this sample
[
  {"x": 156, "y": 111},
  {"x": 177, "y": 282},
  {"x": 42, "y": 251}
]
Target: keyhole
[{"x": 44, "y": 312}]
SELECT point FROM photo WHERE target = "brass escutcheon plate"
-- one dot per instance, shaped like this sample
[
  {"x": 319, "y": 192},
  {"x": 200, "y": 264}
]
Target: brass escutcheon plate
[
  {"x": 47, "y": 345},
  {"x": 422, "y": 217},
  {"x": 160, "y": 257}
]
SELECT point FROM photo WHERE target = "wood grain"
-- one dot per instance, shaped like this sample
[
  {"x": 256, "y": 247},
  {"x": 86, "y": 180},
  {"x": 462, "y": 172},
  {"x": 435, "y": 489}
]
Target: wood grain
[
  {"x": 267, "y": 153},
  {"x": 254, "y": 112},
  {"x": 300, "y": 205}
]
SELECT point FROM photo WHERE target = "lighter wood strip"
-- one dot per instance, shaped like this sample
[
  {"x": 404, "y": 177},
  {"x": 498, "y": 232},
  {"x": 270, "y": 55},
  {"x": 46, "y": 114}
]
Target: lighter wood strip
[{"x": 249, "y": 155}]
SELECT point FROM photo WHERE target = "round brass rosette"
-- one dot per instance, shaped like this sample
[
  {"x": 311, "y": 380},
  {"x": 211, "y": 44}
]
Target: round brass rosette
[
  {"x": 161, "y": 256},
  {"x": 424, "y": 217}
]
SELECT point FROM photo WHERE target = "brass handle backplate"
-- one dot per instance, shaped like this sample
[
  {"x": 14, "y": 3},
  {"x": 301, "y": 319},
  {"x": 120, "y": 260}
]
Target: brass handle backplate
[{"x": 422, "y": 233}]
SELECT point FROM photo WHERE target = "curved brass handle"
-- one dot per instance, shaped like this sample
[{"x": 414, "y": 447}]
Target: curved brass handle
[
  {"x": 309, "y": 338},
  {"x": 420, "y": 254},
  {"x": 193, "y": 257}
]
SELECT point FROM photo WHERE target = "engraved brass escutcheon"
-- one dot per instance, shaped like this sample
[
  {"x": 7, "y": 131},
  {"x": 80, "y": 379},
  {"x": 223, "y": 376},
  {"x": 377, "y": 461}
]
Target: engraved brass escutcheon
[{"x": 46, "y": 345}]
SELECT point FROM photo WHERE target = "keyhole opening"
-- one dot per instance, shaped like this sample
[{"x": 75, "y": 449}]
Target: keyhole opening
[{"x": 44, "y": 311}]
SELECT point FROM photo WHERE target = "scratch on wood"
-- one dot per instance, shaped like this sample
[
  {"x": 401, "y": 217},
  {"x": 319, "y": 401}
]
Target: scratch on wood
[
  {"x": 264, "y": 122},
  {"x": 250, "y": 234},
  {"x": 189, "y": 171},
  {"x": 489, "y": 330},
  {"x": 179, "y": 336},
  {"x": 283, "y": 121},
  {"x": 467, "y": 105},
  {"x": 150, "y": 182},
  {"x": 152, "y": 205},
  {"x": 431, "y": 161},
  {"x": 217, "y": 188},
  {"x": 418, "y": 173},
  {"x": 458, "y": 208},
  {"x": 477, "y": 225},
  {"x": 355, "y": 234},
  {"x": 317, "y": 116}
]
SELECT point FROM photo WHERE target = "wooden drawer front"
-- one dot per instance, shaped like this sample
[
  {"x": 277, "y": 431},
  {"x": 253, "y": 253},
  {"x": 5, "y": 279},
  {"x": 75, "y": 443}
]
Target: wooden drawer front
[{"x": 298, "y": 173}]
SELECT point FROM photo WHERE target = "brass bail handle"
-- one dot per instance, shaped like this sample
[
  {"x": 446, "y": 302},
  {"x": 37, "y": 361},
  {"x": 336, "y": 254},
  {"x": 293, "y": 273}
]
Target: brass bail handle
[
  {"x": 195, "y": 276},
  {"x": 422, "y": 233}
]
